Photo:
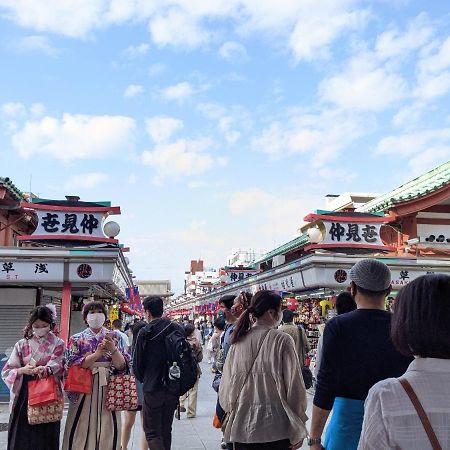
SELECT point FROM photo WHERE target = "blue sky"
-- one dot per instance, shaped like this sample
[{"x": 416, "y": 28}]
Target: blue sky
[{"x": 220, "y": 124}]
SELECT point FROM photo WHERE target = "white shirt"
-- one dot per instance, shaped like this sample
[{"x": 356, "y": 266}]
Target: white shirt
[
  {"x": 390, "y": 419},
  {"x": 125, "y": 340}
]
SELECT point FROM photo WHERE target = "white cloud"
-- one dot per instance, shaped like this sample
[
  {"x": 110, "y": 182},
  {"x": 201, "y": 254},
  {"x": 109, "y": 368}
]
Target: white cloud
[
  {"x": 39, "y": 44},
  {"x": 133, "y": 90},
  {"x": 393, "y": 43},
  {"x": 320, "y": 136},
  {"x": 178, "y": 28},
  {"x": 13, "y": 109},
  {"x": 320, "y": 24},
  {"x": 307, "y": 27},
  {"x": 161, "y": 128},
  {"x": 37, "y": 109},
  {"x": 233, "y": 52},
  {"x": 364, "y": 85},
  {"x": 178, "y": 92},
  {"x": 75, "y": 136},
  {"x": 409, "y": 115},
  {"x": 83, "y": 181},
  {"x": 135, "y": 51},
  {"x": 184, "y": 157}
]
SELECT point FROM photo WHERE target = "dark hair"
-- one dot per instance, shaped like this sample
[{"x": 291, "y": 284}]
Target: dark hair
[
  {"x": 372, "y": 294},
  {"x": 227, "y": 301},
  {"x": 39, "y": 313},
  {"x": 219, "y": 323},
  {"x": 423, "y": 304},
  {"x": 154, "y": 305},
  {"x": 189, "y": 328},
  {"x": 262, "y": 302},
  {"x": 117, "y": 323},
  {"x": 345, "y": 303},
  {"x": 135, "y": 329},
  {"x": 288, "y": 316},
  {"x": 245, "y": 298},
  {"x": 92, "y": 306}
]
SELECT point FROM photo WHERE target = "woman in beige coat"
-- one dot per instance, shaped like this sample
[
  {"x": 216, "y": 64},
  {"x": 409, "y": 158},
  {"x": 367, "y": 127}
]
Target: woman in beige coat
[{"x": 262, "y": 389}]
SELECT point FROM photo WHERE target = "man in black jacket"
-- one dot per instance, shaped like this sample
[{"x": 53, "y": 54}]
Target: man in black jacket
[{"x": 150, "y": 367}]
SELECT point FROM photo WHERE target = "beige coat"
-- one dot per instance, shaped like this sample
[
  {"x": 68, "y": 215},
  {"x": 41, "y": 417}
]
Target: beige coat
[
  {"x": 301, "y": 341},
  {"x": 271, "y": 405}
]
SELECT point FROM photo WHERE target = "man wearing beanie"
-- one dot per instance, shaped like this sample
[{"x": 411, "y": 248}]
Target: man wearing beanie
[{"x": 357, "y": 353}]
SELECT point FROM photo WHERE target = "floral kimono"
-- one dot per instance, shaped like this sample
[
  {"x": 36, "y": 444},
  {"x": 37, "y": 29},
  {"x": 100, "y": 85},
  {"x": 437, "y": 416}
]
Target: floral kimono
[
  {"x": 89, "y": 424},
  {"x": 47, "y": 351}
]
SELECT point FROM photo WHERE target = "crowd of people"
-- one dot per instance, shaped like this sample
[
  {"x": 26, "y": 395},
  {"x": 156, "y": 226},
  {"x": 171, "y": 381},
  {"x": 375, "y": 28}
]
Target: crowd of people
[{"x": 383, "y": 375}]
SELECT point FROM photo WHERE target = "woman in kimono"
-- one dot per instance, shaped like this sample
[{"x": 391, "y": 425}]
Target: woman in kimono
[
  {"x": 89, "y": 424},
  {"x": 39, "y": 354}
]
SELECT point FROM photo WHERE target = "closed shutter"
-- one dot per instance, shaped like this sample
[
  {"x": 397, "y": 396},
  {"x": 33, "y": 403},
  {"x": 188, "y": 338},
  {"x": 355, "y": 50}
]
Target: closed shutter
[{"x": 13, "y": 319}]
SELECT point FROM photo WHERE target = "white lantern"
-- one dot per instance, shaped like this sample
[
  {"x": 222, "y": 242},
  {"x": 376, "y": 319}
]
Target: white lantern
[
  {"x": 111, "y": 229},
  {"x": 315, "y": 235}
]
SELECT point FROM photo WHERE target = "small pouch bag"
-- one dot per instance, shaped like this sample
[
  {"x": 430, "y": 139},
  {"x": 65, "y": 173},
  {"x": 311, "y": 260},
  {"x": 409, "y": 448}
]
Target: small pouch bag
[{"x": 50, "y": 412}]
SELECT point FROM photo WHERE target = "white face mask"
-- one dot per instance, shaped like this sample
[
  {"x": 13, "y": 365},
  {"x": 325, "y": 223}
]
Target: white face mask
[
  {"x": 41, "y": 332},
  {"x": 95, "y": 320}
]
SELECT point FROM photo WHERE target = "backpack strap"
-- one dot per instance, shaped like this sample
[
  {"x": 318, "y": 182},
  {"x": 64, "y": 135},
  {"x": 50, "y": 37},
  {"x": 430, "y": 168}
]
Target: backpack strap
[
  {"x": 421, "y": 413},
  {"x": 161, "y": 332}
]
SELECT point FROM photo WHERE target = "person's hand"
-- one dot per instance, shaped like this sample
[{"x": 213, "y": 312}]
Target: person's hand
[
  {"x": 108, "y": 344},
  {"x": 40, "y": 372},
  {"x": 26, "y": 370}
]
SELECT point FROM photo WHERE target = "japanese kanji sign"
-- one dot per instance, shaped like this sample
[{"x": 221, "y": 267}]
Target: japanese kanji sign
[
  {"x": 69, "y": 224},
  {"x": 352, "y": 233},
  {"x": 234, "y": 275}
]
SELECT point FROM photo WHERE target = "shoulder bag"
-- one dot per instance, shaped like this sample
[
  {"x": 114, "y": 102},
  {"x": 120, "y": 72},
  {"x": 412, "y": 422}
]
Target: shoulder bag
[
  {"x": 226, "y": 419},
  {"x": 421, "y": 413}
]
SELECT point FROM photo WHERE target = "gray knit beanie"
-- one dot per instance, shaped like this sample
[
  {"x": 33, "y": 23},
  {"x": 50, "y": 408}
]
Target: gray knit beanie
[{"x": 371, "y": 274}]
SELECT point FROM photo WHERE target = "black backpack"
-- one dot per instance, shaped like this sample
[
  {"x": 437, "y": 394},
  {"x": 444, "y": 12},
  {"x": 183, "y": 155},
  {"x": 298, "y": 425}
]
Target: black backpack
[{"x": 179, "y": 351}]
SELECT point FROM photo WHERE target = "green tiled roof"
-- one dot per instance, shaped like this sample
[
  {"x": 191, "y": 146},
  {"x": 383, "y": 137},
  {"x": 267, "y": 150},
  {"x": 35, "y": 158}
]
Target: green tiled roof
[
  {"x": 285, "y": 248},
  {"x": 420, "y": 186},
  {"x": 9, "y": 185}
]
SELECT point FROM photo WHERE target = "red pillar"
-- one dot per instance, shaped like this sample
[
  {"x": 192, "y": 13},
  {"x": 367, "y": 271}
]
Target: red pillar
[{"x": 66, "y": 304}]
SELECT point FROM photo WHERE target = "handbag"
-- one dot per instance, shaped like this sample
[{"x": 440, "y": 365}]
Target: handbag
[
  {"x": 50, "y": 412},
  {"x": 42, "y": 391},
  {"x": 78, "y": 380},
  {"x": 227, "y": 417},
  {"x": 307, "y": 377},
  {"x": 122, "y": 393},
  {"x": 421, "y": 413}
]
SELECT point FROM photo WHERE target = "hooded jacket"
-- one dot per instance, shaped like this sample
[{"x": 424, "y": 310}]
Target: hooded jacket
[{"x": 150, "y": 364}]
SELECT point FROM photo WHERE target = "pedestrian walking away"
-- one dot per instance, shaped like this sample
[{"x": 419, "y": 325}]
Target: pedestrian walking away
[
  {"x": 151, "y": 367},
  {"x": 39, "y": 355},
  {"x": 391, "y": 417},
  {"x": 191, "y": 395},
  {"x": 89, "y": 424},
  {"x": 357, "y": 353},
  {"x": 262, "y": 390}
]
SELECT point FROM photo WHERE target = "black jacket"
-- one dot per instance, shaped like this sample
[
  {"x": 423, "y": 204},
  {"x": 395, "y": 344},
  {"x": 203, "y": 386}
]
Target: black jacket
[{"x": 150, "y": 364}]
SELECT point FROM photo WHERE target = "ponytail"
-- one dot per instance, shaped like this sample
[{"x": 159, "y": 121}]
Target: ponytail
[
  {"x": 242, "y": 327},
  {"x": 260, "y": 303}
]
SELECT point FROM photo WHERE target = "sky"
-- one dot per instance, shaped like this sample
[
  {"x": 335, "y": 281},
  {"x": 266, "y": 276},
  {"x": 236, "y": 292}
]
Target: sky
[{"x": 220, "y": 124}]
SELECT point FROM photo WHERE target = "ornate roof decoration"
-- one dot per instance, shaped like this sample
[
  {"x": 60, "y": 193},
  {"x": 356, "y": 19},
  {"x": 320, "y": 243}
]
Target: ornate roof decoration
[
  {"x": 12, "y": 189},
  {"x": 421, "y": 186}
]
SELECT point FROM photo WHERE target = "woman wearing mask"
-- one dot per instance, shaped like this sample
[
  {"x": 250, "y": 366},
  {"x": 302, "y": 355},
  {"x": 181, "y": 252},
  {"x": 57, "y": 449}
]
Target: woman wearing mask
[
  {"x": 89, "y": 424},
  {"x": 262, "y": 390},
  {"x": 39, "y": 354}
]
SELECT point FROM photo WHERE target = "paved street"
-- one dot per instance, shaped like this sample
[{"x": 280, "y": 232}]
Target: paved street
[{"x": 188, "y": 434}]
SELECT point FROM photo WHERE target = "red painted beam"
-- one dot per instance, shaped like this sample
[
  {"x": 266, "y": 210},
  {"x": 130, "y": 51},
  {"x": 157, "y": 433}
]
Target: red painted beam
[
  {"x": 66, "y": 303},
  {"x": 64, "y": 237},
  {"x": 352, "y": 219},
  {"x": 74, "y": 209},
  {"x": 319, "y": 246}
]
